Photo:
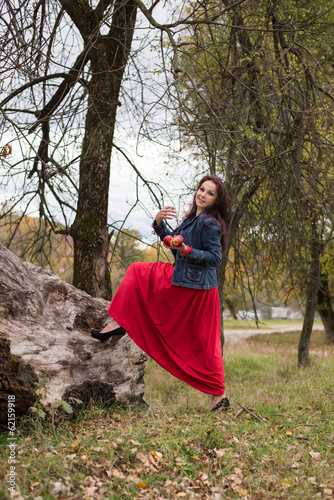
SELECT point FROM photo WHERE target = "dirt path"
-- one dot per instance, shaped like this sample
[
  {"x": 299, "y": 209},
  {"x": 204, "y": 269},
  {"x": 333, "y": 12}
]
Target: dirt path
[{"x": 234, "y": 336}]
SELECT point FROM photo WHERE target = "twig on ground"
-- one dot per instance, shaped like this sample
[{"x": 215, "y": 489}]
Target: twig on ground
[
  {"x": 240, "y": 412},
  {"x": 251, "y": 413},
  {"x": 301, "y": 425}
]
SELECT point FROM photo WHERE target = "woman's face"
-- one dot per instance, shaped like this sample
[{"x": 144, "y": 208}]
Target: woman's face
[{"x": 206, "y": 196}]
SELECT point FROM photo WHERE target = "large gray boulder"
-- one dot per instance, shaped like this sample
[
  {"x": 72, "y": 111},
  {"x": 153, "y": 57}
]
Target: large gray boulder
[{"x": 45, "y": 328}]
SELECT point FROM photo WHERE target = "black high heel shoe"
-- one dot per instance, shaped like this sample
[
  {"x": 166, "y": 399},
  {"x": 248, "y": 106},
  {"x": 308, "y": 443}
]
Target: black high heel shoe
[
  {"x": 96, "y": 334},
  {"x": 224, "y": 404}
]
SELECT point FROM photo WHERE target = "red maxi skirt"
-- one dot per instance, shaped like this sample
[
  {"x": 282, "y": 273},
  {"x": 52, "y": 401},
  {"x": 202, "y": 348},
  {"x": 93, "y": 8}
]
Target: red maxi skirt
[{"x": 178, "y": 327}]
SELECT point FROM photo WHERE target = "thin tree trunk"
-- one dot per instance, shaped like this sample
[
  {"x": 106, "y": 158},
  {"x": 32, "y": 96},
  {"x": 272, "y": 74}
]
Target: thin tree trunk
[
  {"x": 311, "y": 298},
  {"x": 231, "y": 307},
  {"x": 108, "y": 57},
  {"x": 325, "y": 309}
]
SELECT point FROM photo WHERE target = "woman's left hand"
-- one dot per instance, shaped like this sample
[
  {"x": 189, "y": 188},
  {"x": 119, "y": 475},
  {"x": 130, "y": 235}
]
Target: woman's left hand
[{"x": 181, "y": 248}]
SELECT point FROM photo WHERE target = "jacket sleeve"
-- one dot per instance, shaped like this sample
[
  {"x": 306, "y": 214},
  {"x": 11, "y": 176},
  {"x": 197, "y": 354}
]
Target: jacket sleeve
[
  {"x": 211, "y": 252},
  {"x": 161, "y": 229}
]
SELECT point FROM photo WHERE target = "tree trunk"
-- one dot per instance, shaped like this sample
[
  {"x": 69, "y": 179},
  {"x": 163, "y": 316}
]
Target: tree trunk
[
  {"x": 108, "y": 56},
  {"x": 45, "y": 328},
  {"x": 311, "y": 298},
  {"x": 324, "y": 308},
  {"x": 231, "y": 307}
]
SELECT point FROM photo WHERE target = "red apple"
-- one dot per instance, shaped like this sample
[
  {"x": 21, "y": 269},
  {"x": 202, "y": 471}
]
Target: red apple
[
  {"x": 167, "y": 240},
  {"x": 177, "y": 240}
]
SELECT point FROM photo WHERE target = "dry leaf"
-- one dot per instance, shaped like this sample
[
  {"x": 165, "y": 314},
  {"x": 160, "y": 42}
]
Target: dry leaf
[
  {"x": 295, "y": 466},
  {"x": 60, "y": 487},
  {"x": 219, "y": 453},
  {"x": 312, "y": 480},
  {"x": 90, "y": 491},
  {"x": 89, "y": 481},
  {"x": 287, "y": 481},
  {"x": 141, "y": 485},
  {"x": 315, "y": 455},
  {"x": 298, "y": 457},
  {"x": 181, "y": 494},
  {"x": 240, "y": 491},
  {"x": 235, "y": 479},
  {"x": 238, "y": 471},
  {"x": 117, "y": 473},
  {"x": 143, "y": 458}
]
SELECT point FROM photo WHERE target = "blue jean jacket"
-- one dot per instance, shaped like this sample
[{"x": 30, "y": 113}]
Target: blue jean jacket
[{"x": 198, "y": 268}]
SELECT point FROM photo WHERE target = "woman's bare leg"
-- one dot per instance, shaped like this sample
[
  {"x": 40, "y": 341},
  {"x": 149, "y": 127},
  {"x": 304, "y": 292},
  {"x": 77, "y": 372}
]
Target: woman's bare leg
[
  {"x": 110, "y": 326},
  {"x": 216, "y": 399}
]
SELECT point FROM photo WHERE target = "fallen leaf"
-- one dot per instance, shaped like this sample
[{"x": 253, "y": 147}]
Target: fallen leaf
[
  {"x": 287, "y": 481},
  {"x": 219, "y": 453},
  {"x": 235, "y": 479},
  {"x": 295, "y": 466},
  {"x": 141, "y": 485},
  {"x": 157, "y": 455},
  {"x": 145, "y": 460},
  {"x": 91, "y": 491},
  {"x": 312, "y": 480},
  {"x": 315, "y": 455},
  {"x": 240, "y": 491},
  {"x": 60, "y": 487},
  {"x": 298, "y": 457},
  {"x": 238, "y": 471},
  {"x": 117, "y": 473}
]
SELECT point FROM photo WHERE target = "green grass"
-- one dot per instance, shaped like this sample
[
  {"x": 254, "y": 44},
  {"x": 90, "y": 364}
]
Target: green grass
[{"x": 280, "y": 446}]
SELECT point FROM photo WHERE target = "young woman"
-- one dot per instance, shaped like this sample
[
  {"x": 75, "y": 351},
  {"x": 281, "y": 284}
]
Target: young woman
[{"x": 172, "y": 311}]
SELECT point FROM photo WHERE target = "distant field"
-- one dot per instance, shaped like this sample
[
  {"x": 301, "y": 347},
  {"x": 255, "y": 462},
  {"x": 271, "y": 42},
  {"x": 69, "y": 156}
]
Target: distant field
[{"x": 318, "y": 339}]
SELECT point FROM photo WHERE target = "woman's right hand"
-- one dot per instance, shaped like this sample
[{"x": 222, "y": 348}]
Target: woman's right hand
[{"x": 165, "y": 213}]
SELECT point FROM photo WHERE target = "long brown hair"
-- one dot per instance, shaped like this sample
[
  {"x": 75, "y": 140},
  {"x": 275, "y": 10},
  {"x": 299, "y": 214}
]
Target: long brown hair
[{"x": 218, "y": 211}]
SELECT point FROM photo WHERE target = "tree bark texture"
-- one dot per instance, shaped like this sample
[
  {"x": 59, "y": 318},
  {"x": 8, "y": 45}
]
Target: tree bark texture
[
  {"x": 45, "y": 328},
  {"x": 311, "y": 298},
  {"x": 108, "y": 55},
  {"x": 325, "y": 309}
]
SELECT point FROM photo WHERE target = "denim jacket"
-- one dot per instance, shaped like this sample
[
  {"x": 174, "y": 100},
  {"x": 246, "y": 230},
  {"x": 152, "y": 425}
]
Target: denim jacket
[{"x": 198, "y": 268}]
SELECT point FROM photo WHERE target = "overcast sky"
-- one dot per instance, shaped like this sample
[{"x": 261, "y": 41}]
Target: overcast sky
[
  {"x": 154, "y": 162},
  {"x": 176, "y": 176}
]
